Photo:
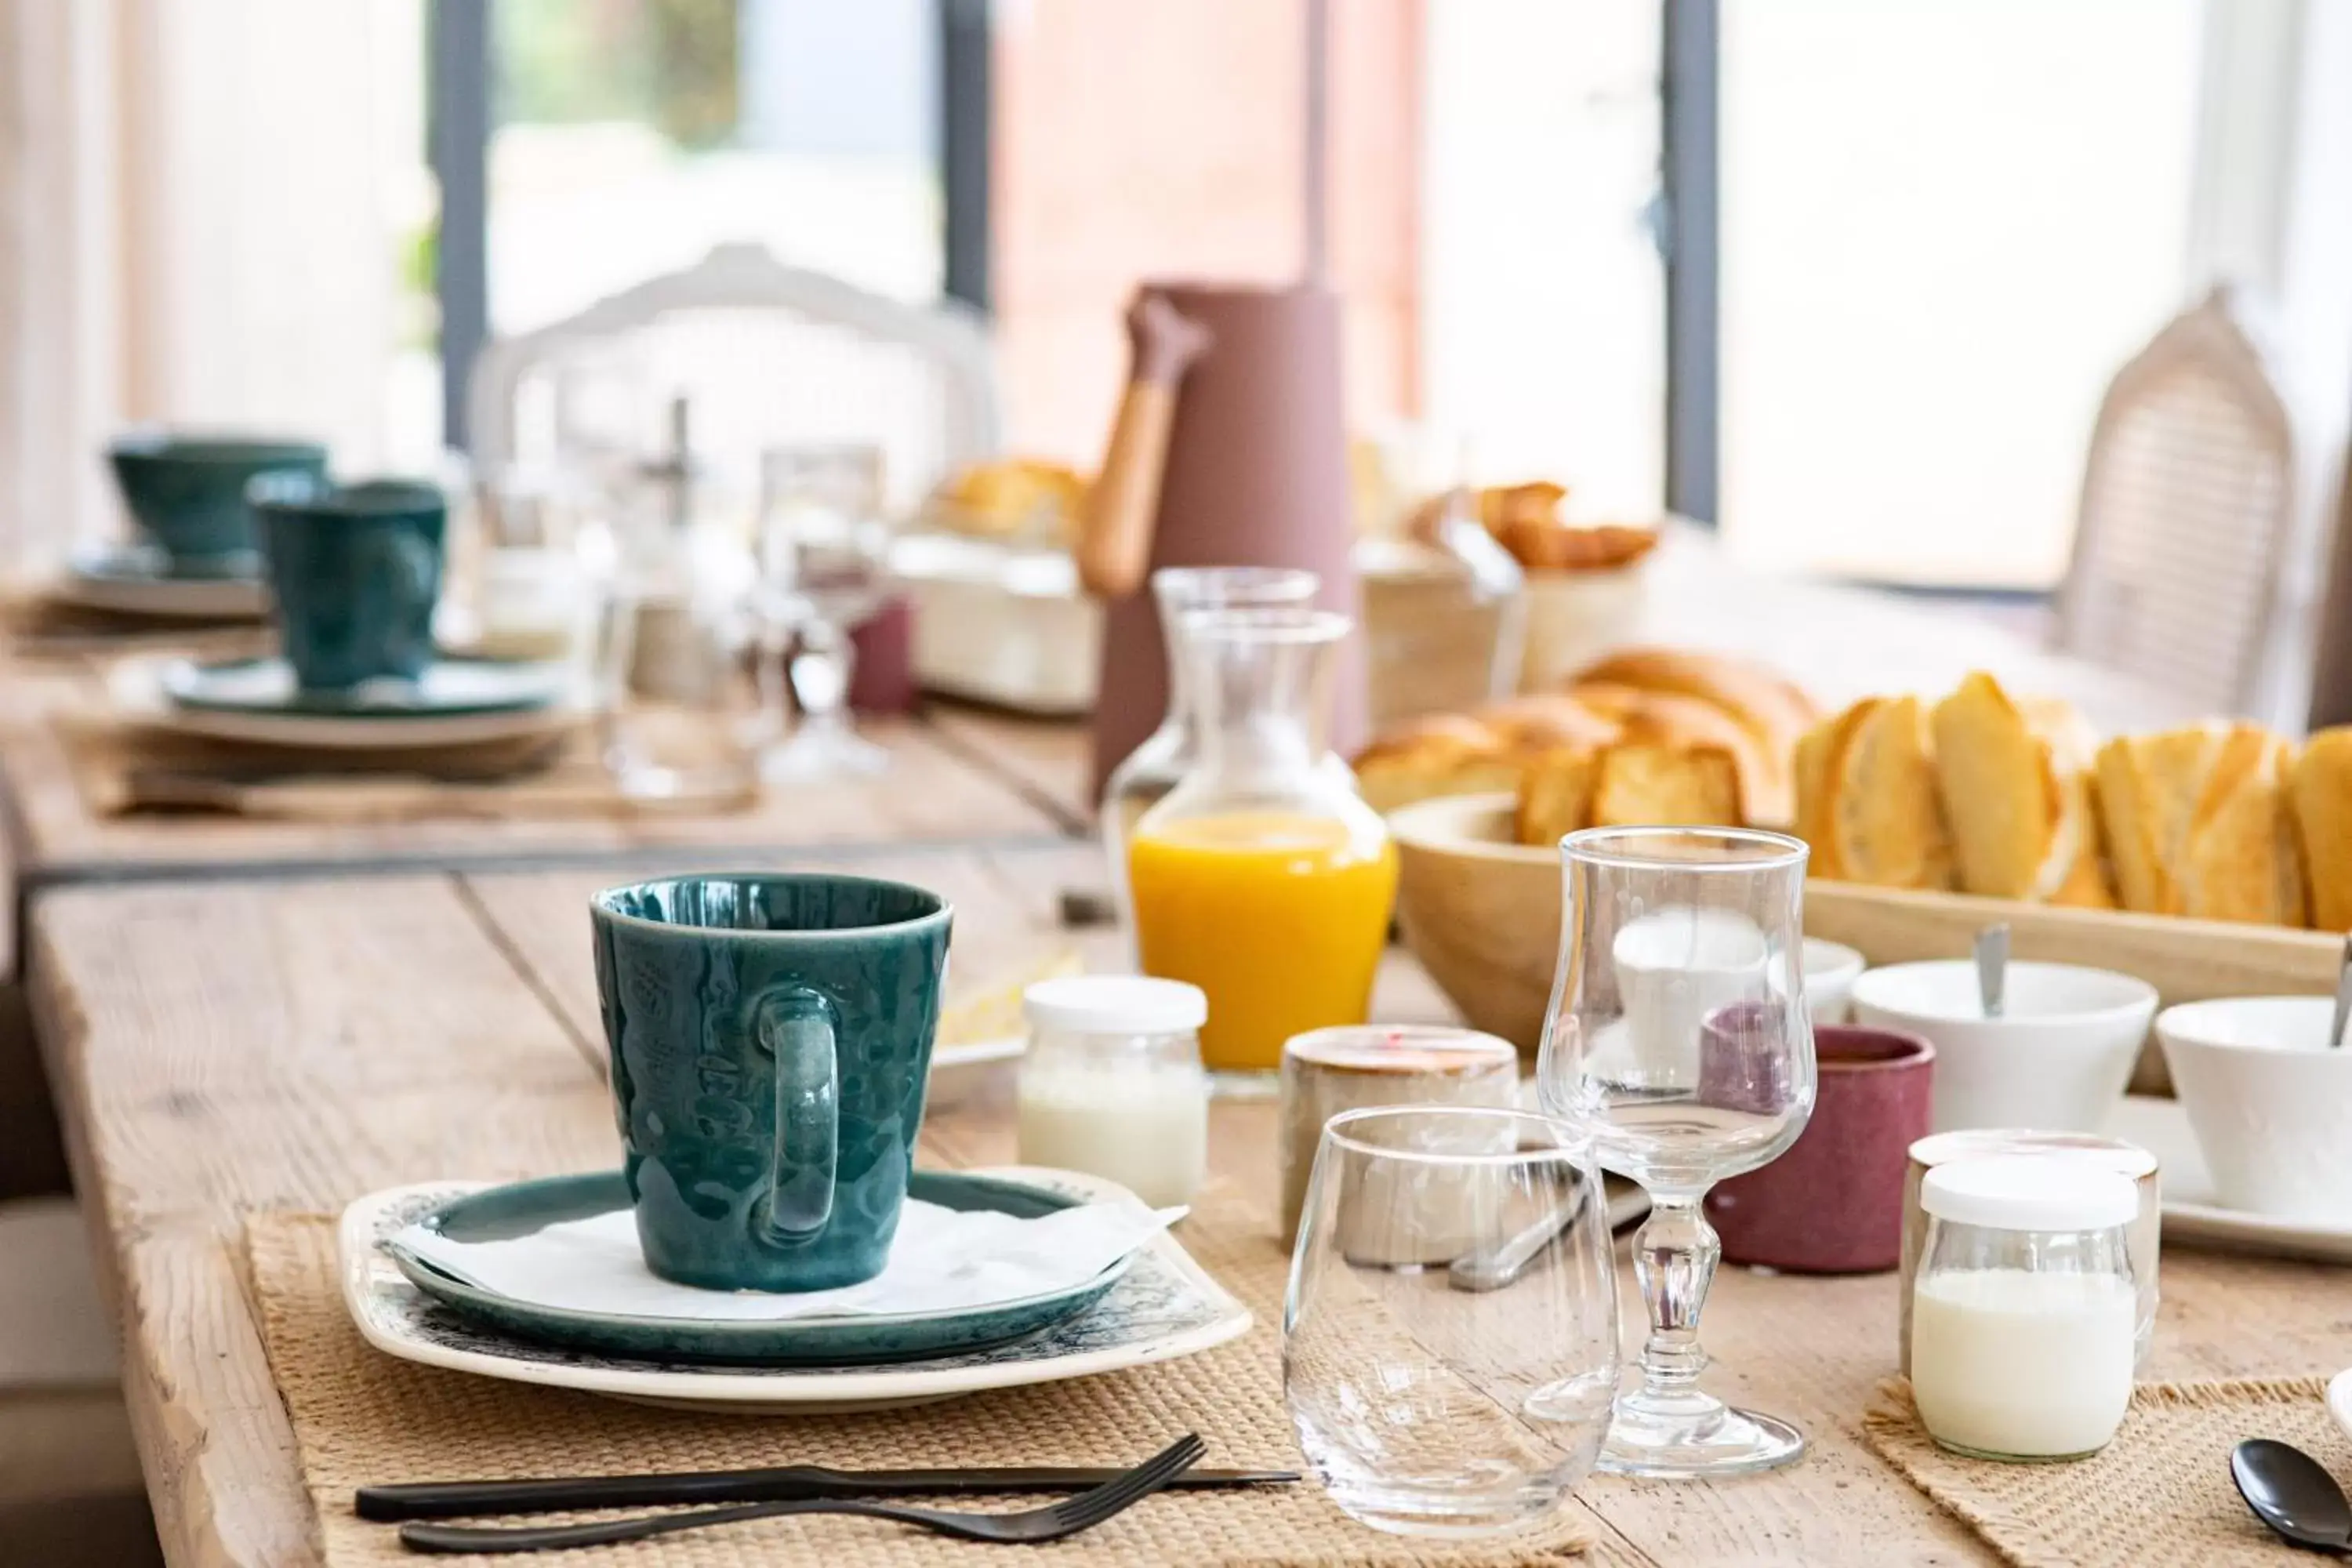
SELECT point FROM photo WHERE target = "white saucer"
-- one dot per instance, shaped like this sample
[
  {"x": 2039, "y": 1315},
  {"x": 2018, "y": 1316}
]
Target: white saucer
[
  {"x": 136, "y": 687},
  {"x": 1166, "y": 1305},
  {"x": 2192, "y": 1215},
  {"x": 135, "y": 580},
  {"x": 2339, "y": 1401}
]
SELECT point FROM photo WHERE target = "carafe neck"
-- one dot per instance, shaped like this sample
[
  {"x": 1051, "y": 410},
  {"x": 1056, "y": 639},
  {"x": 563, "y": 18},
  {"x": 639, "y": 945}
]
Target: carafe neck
[{"x": 1260, "y": 691}]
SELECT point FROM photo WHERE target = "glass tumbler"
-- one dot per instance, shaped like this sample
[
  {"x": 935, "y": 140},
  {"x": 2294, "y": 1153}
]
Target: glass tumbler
[{"x": 1443, "y": 1401}]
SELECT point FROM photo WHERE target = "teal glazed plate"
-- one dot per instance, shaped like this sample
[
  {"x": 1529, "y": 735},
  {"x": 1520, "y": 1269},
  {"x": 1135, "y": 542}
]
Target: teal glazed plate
[
  {"x": 866, "y": 1339},
  {"x": 145, "y": 564},
  {"x": 449, "y": 689}
]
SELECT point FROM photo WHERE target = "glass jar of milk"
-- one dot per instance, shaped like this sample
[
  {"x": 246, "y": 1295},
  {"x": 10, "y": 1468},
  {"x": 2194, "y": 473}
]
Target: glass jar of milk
[
  {"x": 1112, "y": 1084},
  {"x": 2025, "y": 1313}
]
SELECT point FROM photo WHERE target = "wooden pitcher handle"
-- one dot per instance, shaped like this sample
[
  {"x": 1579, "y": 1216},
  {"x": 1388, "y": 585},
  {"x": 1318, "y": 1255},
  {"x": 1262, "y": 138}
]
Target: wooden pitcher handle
[{"x": 1114, "y": 535}]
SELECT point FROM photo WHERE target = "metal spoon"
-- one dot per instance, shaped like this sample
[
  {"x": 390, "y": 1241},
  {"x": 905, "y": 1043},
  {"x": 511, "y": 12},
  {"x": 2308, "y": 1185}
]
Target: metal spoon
[
  {"x": 2343, "y": 998},
  {"x": 2289, "y": 1491},
  {"x": 1992, "y": 966},
  {"x": 1493, "y": 1268}
]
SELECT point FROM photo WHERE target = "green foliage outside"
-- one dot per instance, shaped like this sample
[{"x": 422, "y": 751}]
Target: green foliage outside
[{"x": 668, "y": 63}]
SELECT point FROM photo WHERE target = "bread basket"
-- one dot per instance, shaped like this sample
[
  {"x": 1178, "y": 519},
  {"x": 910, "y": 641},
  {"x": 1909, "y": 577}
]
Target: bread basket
[{"x": 1482, "y": 915}]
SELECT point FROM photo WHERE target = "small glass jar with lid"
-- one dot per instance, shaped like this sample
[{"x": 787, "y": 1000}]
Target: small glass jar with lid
[
  {"x": 2024, "y": 1315},
  {"x": 1112, "y": 1084}
]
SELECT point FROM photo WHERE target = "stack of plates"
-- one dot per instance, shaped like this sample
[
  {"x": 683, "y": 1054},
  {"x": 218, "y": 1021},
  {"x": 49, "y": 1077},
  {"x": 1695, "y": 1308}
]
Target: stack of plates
[
  {"x": 1152, "y": 1305},
  {"x": 455, "y": 702},
  {"x": 140, "y": 580}
]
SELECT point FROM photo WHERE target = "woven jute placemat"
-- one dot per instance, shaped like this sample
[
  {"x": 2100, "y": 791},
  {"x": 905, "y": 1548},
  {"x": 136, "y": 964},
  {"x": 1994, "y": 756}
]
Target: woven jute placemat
[
  {"x": 361, "y": 1417},
  {"x": 2159, "y": 1493},
  {"x": 120, "y": 769}
]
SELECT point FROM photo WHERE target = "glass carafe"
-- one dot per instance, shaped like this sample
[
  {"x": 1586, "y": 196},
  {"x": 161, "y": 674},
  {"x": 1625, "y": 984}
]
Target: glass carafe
[
  {"x": 1263, "y": 878},
  {"x": 1156, "y": 766}
]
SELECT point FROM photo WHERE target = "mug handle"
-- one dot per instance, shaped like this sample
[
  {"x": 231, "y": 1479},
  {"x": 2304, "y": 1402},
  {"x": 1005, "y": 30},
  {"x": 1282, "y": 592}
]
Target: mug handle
[
  {"x": 409, "y": 561},
  {"x": 798, "y": 1028}
]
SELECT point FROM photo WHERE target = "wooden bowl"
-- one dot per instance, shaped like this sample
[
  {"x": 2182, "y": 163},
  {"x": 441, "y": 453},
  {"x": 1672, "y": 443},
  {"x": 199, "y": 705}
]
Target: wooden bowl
[{"x": 1480, "y": 912}]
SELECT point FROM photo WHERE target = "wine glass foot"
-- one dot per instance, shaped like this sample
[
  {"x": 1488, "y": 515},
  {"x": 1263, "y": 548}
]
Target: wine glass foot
[
  {"x": 1694, "y": 1439},
  {"x": 809, "y": 755}
]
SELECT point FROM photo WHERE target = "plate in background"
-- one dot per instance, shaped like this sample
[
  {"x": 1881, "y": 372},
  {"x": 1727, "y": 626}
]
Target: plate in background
[
  {"x": 135, "y": 688},
  {"x": 2192, "y": 1217},
  {"x": 138, "y": 580},
  {"x": 448, "y": 688}
]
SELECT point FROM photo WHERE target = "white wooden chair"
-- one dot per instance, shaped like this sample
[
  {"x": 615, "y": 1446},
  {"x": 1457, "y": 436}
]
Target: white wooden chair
[
  {"x": 768, "y": 353},
  {"x": 2187, "y": 516}
]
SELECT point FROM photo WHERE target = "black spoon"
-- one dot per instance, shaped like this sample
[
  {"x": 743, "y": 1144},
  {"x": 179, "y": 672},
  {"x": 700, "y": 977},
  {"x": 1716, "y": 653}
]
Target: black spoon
[{"x": 2291, "y": 1493}]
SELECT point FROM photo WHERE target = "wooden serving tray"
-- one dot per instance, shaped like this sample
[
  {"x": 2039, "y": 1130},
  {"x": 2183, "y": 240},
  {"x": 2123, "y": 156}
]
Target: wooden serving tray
[{"x": 2185, "y": 960}]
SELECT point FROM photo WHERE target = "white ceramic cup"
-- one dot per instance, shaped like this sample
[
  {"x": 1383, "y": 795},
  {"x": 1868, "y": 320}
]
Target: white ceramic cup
[
  {"x": 1830, "y": 969},
  {"x": 2056, "y": 1060},
  {"x": 2271, "y": 1104}
]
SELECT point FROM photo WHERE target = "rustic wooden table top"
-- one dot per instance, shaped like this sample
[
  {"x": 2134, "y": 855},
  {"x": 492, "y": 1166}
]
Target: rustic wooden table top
[{"x": 221, "y": 1047}]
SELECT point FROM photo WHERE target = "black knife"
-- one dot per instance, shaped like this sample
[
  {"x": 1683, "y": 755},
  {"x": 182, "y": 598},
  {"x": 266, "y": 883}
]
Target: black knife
[{"x": 457, "y": 1499}]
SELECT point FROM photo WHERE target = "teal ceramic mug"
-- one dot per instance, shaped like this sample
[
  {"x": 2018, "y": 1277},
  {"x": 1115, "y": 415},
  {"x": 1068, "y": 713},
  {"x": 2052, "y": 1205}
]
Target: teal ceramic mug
[
  {"x": 355, "y": 570},
  {"x": 770, "y": 1037},
  {"x": 187, "y": 492}
]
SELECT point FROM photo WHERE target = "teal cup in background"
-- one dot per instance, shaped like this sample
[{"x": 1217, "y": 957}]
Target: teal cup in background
[
  {"x": 355, "y": 570},
  {"x": 186, "y": 493},
  {"x": 771, "y": 1035}
]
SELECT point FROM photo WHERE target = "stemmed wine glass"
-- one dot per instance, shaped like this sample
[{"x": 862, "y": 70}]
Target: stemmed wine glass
[
  {"x": 1678, "y": 1040},
  {"x": 824, "y": 547}
]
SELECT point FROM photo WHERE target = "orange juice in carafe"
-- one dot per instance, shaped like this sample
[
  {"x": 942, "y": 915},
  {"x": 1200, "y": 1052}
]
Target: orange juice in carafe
[
  {"x": 1280, "y": 917},
  {"x": 1263, "y": 878}
]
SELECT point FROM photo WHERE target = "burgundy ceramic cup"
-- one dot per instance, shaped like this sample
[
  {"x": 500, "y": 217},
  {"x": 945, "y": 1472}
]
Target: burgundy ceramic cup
[
  {"x": 883, "y": 679},
  {"x": 1834, "y": 1202}
]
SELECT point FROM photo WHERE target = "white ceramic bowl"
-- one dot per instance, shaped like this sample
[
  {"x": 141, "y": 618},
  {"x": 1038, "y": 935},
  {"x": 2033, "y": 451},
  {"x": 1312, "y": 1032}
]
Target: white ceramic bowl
[
  {"x": 1831, "y": 970},
  {"x": 2056, "y": 1060},
  {"x": 2271, "y": 1104}
]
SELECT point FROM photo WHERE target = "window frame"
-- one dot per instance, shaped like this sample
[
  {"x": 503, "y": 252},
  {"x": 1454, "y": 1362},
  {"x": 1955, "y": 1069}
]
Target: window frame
[{"x": 461, "y": 70}]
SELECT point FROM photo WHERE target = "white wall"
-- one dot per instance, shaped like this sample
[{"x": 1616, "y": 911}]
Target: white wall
[
  {"x": 1946, "y": 224},
  {"x": 1542, "y": 305}
]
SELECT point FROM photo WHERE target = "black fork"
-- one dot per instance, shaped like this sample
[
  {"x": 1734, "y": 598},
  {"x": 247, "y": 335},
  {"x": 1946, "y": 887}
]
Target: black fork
[{"x": 1029, "y": 1526}]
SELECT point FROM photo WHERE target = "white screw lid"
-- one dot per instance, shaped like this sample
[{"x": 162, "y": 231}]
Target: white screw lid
[
  {"x": 2030, "y": 1191},
  {"x": 1115, "y": 1005}
]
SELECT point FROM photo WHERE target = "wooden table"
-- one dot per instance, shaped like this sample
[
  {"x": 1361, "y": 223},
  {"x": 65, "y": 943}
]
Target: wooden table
[
  {"x": 965, "y": 773},
  {"x": 223, "y": 1048},
  {"x": 936, "y": 790}
]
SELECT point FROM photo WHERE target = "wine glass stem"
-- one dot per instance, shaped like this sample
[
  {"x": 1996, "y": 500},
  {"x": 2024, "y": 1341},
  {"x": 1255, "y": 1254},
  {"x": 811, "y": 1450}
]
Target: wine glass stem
[{"x": 1674, "y": 1255}]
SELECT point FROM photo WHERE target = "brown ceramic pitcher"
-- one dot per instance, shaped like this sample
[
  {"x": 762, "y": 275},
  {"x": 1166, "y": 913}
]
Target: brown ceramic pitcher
[{"x": 1229, "y": 450}]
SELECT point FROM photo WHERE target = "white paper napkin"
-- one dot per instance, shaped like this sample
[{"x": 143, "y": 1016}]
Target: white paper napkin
[{"x": 941, "y": 1260}]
